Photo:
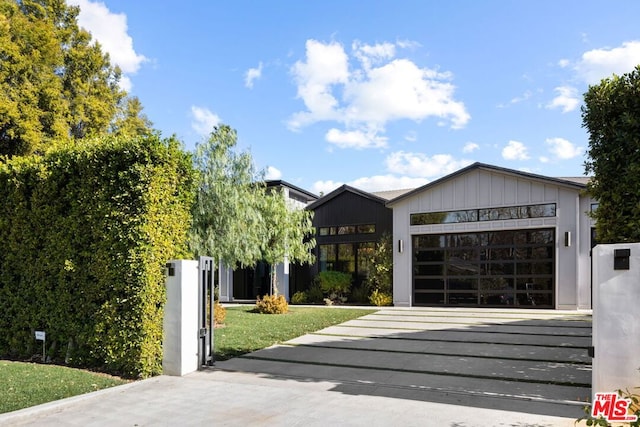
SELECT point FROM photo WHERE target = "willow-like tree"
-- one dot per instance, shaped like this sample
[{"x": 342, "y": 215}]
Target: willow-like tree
[
  {"x": 611, "y": 114},
  {"x": 288, "y": 234},
  {"x": 56, "y": 83},
  {"x": 227, "y": 221}
]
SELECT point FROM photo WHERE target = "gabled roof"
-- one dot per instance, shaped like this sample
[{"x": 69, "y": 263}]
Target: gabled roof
[
  {"x": 302, "y": 194},
  {"x": 345, "y": 189},
  {"x": 391, "y": 194},
  {"x": 566, "y": 182}
]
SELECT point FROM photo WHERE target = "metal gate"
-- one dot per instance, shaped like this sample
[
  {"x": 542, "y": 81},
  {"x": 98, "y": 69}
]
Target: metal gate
[{"x": 205, "y": 312}]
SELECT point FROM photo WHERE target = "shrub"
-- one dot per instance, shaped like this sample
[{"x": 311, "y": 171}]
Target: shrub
[
  {"x": 380, "y": 298},
  {"x": 86, "y": 232},
  {"x": 271, "y": 304},
  {"x": 219, "y": 314},
  {"x": 334, "y": 282},
  {"x": 299, "y": 298},
  {"x": 314, "y": 294},
  {"x": 360, "y": 294}
]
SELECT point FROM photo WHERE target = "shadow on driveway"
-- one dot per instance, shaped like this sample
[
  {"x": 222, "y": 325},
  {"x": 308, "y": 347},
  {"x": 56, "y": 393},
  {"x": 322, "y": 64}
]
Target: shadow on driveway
[{"x": 532, "y": 361}]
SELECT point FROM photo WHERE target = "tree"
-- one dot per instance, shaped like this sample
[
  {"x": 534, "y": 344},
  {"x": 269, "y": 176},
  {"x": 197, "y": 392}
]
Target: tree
[
  {"x": 287, "y": 234},
  {"x": 611, "y": 115},
  {"x": 380, "y": 277},
  {"x": 227, "y": 223},
  {"x": 56, "y": 84}
]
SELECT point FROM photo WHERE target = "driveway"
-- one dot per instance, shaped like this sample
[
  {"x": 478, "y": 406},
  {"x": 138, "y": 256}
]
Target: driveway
[{"x": 414, "y": 366}]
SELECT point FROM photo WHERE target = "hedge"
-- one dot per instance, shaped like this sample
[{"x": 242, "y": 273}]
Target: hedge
[{"x": 85, "y": 233}]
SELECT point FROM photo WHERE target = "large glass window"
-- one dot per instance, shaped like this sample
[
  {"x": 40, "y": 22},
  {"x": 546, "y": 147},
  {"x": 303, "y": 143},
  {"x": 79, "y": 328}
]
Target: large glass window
[
  {"x": 348, "y": 258},
  {"x": 488, "y": 214},
  {"x": 497, "y": 268}
]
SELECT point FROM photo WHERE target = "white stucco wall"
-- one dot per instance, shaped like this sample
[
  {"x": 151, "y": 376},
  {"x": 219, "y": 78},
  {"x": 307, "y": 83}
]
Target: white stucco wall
[{"x": 481, "y": 188}]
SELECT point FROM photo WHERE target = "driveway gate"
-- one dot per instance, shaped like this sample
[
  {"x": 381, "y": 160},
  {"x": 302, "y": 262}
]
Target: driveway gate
[{"x": 205, "y": 311}]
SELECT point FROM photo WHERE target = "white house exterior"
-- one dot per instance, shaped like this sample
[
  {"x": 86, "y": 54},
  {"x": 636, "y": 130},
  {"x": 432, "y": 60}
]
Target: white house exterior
[{"x": 489, "y": 236}]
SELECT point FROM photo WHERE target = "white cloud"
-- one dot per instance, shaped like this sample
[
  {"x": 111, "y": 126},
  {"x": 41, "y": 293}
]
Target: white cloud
[
  {"x": 372, "y": 184},
  {"x": 252, "y": 74},
  {"x": 470, "y": 147},
  {"x": 515, "y": 150},
  {"x": 387, "y": 182},
  {"x": 325, "y": 187},
  {"x": 203, "y": 120},
  {"x": 423, "y": 166},
  {"x": 598, "y": 64},
  {"x": 326, "y": 65},
  {"x": 567, "y": 99},
  {"x": 355, "y": 139},
  {"x": 364, "y": 99},
  {"x": 373, "y": 54},
  {"x": 272, "y": 173},
  {"x": 564, "y": 63},
  {"x": 563, "y": 149},
  {"x": 110, "y": 30}
]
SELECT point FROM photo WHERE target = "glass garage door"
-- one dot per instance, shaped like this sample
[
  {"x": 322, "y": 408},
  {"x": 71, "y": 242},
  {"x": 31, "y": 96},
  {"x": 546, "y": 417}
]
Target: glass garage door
[{"x": 492, "y": 269}]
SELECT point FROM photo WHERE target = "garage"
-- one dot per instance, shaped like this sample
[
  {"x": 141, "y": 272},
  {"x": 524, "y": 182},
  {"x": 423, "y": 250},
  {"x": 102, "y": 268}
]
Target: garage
[
  {"x": 491, "y": 268},
  {"x": 487, "y": 236}
]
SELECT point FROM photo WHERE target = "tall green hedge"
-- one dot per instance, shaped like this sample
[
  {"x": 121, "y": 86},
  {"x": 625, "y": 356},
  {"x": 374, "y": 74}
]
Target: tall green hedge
[{"x": 85, "y": 233}]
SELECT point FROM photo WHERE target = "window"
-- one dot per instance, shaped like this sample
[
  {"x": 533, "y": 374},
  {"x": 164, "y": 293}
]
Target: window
[
  {"x": 486, "y": 214},
  {"x": 366, "y": 229}
]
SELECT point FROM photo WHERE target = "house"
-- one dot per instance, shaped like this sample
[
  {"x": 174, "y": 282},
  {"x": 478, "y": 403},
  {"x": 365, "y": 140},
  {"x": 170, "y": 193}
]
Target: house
[
  {"x": 348, "y": 222},
  {"x": 488, "y": 236}
]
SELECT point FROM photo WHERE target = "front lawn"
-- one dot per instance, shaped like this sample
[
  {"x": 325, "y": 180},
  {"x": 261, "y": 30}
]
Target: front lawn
[
  {"x": 27, "y": 384},
  {"x": 245, "y": 332}
]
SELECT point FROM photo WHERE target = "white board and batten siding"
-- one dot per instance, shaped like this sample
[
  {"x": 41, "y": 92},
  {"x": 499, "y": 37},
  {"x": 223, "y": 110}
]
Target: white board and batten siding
[{"x": 485, "y": 187}]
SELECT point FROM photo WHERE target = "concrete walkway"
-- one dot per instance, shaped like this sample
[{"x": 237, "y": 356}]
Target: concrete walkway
[{"x": 414, "y": 367}]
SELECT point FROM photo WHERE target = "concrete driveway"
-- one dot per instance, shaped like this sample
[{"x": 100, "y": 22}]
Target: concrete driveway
[{"x": 416, "y": 366}]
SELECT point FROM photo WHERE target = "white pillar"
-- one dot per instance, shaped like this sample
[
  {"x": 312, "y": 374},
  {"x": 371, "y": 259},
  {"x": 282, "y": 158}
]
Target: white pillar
[
  {"x": 616, "y": 319},
  {"x": 180, "y": 344}
]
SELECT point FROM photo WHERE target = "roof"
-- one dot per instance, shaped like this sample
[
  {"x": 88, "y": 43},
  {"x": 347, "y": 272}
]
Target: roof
[
  {"x": 566, "y": 182},
  {"x": 303, "y": 194},
  {"x": 345, "y": 189},
  {"x": 579, "y": 179},
  {"x": 391, "y": 194}
]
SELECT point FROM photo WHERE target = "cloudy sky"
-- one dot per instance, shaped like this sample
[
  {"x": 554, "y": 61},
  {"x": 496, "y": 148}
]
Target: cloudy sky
[{"x": 380, "y": 95}]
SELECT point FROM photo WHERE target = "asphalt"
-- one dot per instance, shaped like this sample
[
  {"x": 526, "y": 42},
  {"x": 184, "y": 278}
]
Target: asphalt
[{"x": 411, "y": 367}]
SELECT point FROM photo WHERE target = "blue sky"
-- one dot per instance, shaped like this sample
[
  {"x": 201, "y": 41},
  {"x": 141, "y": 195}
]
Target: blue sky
[{"x": 379, "y": 95}]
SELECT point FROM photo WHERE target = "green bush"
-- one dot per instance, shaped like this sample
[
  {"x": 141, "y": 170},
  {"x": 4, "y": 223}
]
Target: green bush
[
  {"x": 334, "y": 282},
  {"x": 314, "y": 294},
  {"x": 380, "y": 298},
  {"x": 360, "y": 295},
  {"x": 86, "y": 232},
  {"x": 271, "y": 304},
  {"x": 299, "y": 298}
]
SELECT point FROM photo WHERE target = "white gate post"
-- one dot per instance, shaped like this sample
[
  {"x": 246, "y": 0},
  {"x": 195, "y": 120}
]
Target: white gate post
[
  {"x": 616, "y": 318},
  {"x": 180, "y": 344}
]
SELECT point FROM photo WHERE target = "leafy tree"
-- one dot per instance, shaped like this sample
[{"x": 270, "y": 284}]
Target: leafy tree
[
  {"x": 227, "y": 223},
  {"x": 287, "y": 232},
  {"x": 130, "y": 121},
  {"x": 611, "y": 114},
  {"x": 380, "y": 275},
  {"x": 56, "y": 84}
]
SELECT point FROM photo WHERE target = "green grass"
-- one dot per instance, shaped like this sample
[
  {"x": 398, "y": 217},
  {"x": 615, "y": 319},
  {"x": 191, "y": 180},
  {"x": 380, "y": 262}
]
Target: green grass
[
  {"x": 245, "y": 332},
  {"x": 27, "y": 384}
]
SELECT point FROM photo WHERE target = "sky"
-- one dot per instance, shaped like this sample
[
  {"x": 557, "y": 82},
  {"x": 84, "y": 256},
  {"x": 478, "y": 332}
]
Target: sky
[{"x": 379, "y": 95}]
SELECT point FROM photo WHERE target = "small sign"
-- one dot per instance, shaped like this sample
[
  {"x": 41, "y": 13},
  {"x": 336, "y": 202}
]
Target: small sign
[{"x": 40, "y": 335}]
